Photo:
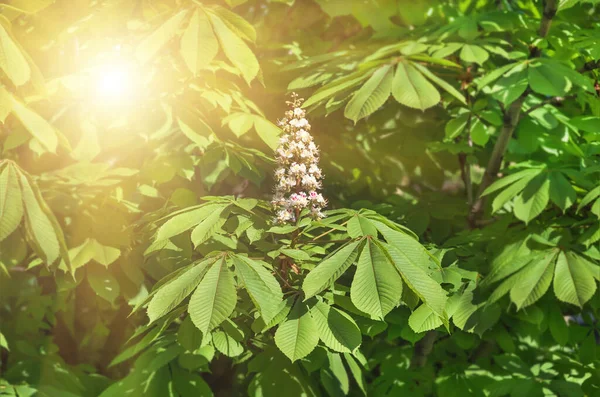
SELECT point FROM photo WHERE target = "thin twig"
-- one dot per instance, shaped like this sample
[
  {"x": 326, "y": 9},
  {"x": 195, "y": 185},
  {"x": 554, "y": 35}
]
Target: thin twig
[{"x": 329, "y": 231}]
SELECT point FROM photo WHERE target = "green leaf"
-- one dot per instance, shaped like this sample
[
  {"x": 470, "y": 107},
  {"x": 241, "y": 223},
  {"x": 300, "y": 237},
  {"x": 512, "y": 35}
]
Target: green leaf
[
  {"x": 299, "y": 334},
  {"x": 546, "y": 80},
  {"x": 356, "y": 372},
  {"x": 557, "y": 325},
  {"x": 377, "y": 286},
  {"x": 11, "y": 204},
  {"x": 532, "y": 282},
  {"x": 5, "y": 105},
  {"x": 330, "y": 269},
  {"x": 103, "y": 282},
  {"x": 190, "y": 384},
  {"x": 39, "y": 224},
  {"x": 359, "y": 226},
  {"x": 411, "y": 89},
  {"x": 185, "y": 221},
  {"x": 208, "y": 227},
  {"x": 174, "y": 292},
  {"x": 267, "y": 131},
  {"x": 456, "y": 126},
  {"x": 188, "y": 336},
  {"x": 507, "y": 180},
  {"x": 443, "y": 84},
  {"x": 573, "y": 281},
  {"x": 104, "y": 254},
  {"x": 335, "y": 87},
  {"x": 408, "y": 263},
  {"x": 337, "y": 330},
  {"x": 226, "y": 344},
  {"x": 507, "y": 194},
  {"x": 494, "y": 74},
  {"x": 37, "y": 126},
  {"x": 194, "y": 127},
  {"x": 214, "y": 299},
  {"x": 334, "y": 377},
  {"x": 240, "y": 55},
  {"x": 511, "y": 86},
  {"x": 586, "y": 123},
  {"x": 156, "y": 40},
  {"x": 12, "y": 61},
  {"x": 3, "y": 342},
  {"x": 479, "y": 133},
  {"x": 371, "y": 96},
  {"x": 263, "y": 288},
  {"x": 561, "y": 192},
  {"x": 199, "y": 45},
  {"x": 534, "y": 199},
  {"x": 473, "y": 53},
  {"x": 236, "y": 23},
  {"x": 589, "y": 197},
  {"x": 424, "y": 319}
]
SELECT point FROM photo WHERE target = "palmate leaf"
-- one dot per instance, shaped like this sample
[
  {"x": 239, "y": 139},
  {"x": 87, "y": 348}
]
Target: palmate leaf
[
  {"x": 335, "y": 87},
  {"x": 359, "y": 226},
  {"x": 36, "y": 125},
  {"x": 532, "y": 282},
  {"x": 263, "y": 288},
  {"x": 412, "y": 89},
  {"x": 547, "y": 80},
  {"x": 377, "y": 287},
  {"x": 226, "y": 344},
  {"x": 330, "y": 269},
  {"x": 474, "y": 53},
  {"x": 511, "y": 86},
  {"x": 443, "y": 84},
  {"x": 240, "y": 55},
  {"x": 510, "y": 192},
  {"x": 239, "y": 25},
  {"x": 199, "y": 45},
  {"x": 104, "y": 284},
  {"x": 512, "y": 178},
  {"x": 186, "y": 220},
  {"x": 174, "y": 292},
  {"x": 356, "y": 372},
  {"x": 589, "y": 197},
  {"x": 11, "y": 203},
  {"x": 12, "y": 61},
  {"x": 573, "y": 281},
  {"x": 416, "y": 278},
  {"x": 371, "y": 96},
  {"x": 214, "y": 299},
  {"x": 299, "y": 334},
  {"x": 337, "y": 330},
  {"x": 424, "y": 319},
  {"x": 534, "y": 198},
  {"x": 208, "y": 227},
  {"x": 39, "y": 224},
  {"x": 561, "y": 192},
  {"x": 156, "y": 40}
]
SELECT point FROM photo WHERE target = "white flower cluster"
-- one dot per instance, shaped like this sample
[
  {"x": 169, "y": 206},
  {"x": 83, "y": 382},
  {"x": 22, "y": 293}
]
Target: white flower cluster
[{"x": 298, "y": 175}]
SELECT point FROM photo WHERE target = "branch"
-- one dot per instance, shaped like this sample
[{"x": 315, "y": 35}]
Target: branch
[
  {"x": 511, "y": 119},
  {"x": 422, "y": 349},
  {"x": 591, "y": 65},
  {"x": 557, "y": 100}
]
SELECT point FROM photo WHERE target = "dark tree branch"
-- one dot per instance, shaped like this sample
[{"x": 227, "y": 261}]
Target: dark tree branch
[
  {"x": 511, "y": 119},
  {"x": 589, "y": 66},
  {"x": 422, "y": 349}
]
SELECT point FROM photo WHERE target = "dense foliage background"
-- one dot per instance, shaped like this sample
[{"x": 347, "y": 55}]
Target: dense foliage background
[{"x": 460, "y": 145}]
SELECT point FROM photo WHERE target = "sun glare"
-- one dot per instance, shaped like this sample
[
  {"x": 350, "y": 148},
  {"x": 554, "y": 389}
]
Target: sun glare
[{"x": 114, "y": 83}]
